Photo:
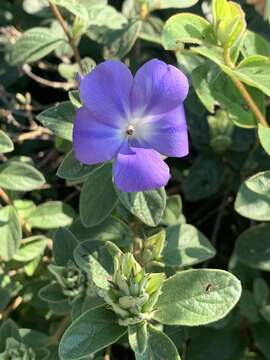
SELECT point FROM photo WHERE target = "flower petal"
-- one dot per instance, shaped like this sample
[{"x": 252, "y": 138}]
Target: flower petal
[
  {"x": 167, "y": 133},
  {"x": 94, "y": 141},
  {"x": 158, "y": 88},
  {"x": 140, "y": 170},
  {"x": 106, "y": 92}
]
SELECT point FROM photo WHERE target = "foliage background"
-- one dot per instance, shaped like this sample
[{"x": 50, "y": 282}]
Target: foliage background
[{"x": 44, "y": 190}]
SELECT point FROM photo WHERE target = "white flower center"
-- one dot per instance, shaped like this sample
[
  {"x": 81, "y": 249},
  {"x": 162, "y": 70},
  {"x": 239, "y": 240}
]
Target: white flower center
[{"x": 130, "y": 130}]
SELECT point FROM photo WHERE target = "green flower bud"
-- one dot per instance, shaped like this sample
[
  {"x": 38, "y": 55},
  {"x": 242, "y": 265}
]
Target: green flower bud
[
  {"x": 132, "y": 293},
  {"x": 220, "y": 130},
  {"x": 122, "y": 284},
  {"x": 73, "y": 281},
  {"x": 127, "y": 265},
  {"x": 17, "y": 351}
]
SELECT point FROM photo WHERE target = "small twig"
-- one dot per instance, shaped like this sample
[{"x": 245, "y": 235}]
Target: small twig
[
  {"x": 46, "y": 66},
  {"x": 107, "y": 356},
  {"x": 54, "y": 339},
  {"x": 13, "y": 306},
  {"x": 53, "y": 84},
  {"x": 243, "y": 91},
  {"x": 4, "y": 196},
  {"x": 38, "y": 132},
  {"x": 71, "y": 41}
]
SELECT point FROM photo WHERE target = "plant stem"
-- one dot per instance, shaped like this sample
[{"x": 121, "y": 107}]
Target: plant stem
[
  {"x": 56, "y": 12},
  {"x": 54, "y": 339},
  {"x": 53, "y": 84},
  {"x": 4, "y": 196},
  {"x": 13, "y": 306},
  {"x": 243, "y": 91}
]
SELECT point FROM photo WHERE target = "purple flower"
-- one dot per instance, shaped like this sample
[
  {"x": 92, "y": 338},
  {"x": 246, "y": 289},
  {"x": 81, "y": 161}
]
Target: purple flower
[{"x": 132, "y": 121}]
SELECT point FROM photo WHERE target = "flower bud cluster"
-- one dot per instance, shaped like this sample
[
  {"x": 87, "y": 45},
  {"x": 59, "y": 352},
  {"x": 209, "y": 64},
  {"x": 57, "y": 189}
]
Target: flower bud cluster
[
  {"x": 153, "y": 247},
  {"x": 132, "y": 293},
  {"x": 73, "y": 280},
  {"x": 17, "y": 351}
]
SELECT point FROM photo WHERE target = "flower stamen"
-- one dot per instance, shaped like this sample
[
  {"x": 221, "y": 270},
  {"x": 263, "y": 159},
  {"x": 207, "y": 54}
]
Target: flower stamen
[{"x": 130, "y": 130}]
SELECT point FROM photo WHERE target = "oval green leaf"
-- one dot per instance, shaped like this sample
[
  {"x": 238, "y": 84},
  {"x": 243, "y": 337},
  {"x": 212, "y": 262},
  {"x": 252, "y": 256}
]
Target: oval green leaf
[
  {"x": 253, "y": 197},
  {"x": 92, "y": 331},
  {"x": 11, "y": 232},
  {"x": 211, "y": 297},
  {"x": 252, "y": 247},
  {"x": 186, "y": 28},
  {"x": 98, "y": 196},
  {"x": 34, "y": 44},
  {"x": 148, "y": 206},
  {"x": 59, "y": 119},
  {"x": 6, "y": 145},
  {"x": 51, "y": 215},
  {"x": 186, "y": 246},
  {"x": 18, "y": 176}
]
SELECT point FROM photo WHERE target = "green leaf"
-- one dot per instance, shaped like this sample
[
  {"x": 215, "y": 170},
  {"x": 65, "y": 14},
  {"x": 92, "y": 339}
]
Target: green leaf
[
  {"x": 261, "y": 291},
  {"x": 248, "y": 308},
  {"x": 69, "y": 71},
  {"x": 73, "y": 6},
  {"x": 138, "y": 338},
  {"x": 118, "y": 43},
  {"x": 74, "y": 97},
  {"x": 72, "y": 169},
  {"x": 98, "y": 197},
  {"x": 33, "y": 338},
  {"x": 152, "y": 29},
  {"x": 89, "y": 255},
  {"x": 5, "y": 298},
  {"x": 99, "y": 15},
  {"x": 251, "y": 247},
  {"x": 6, "y": 145},
  {"x": 11, "y": 232},
  {"x": 159, "y": 346},
  {"x": 264, "y": 137},
  {"x": 186, "y": 28},
  {"x": 229, "y": 22},
  {"x": 59, "y": 119},
  {"x": 31, "y": 248},
  {"x": 254, "y": 44},
  {"x": 211, "y": 297},
  {"x": 255, "y": 71},
  {"x": 186, "y": 246},
  {"x": 34, "y": 7},
  {"x": 34, "y": 44},
  {"x": 52, "y": 293},
  {"x": 148, "y": 206},
  {"x": 51, "y": 215},
  {"x": 24, "y": 207},
  {"x": 167, "y": 4},
  {"x": 8, "y": 329},
  {"x": 204, "y": 178},
  {"x": 92, "y": 331},
  {"x": 64, "y": 244},
  {"x": 212, "y": 344},
  {"x": 18, "y": 176},
  {"x": 111, "y": 229},
  {"x": 215, "y": 88},
  {"x": 253, "y": 197},
  {"x": 261, "y": 335},
  {"x": 173, "y": 212}
]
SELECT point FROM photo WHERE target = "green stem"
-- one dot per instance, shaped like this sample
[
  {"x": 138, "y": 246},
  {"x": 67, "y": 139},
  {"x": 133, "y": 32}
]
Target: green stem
[
  {"x": 243, "y": 91},
  {"x": 56, "y": 12}
]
